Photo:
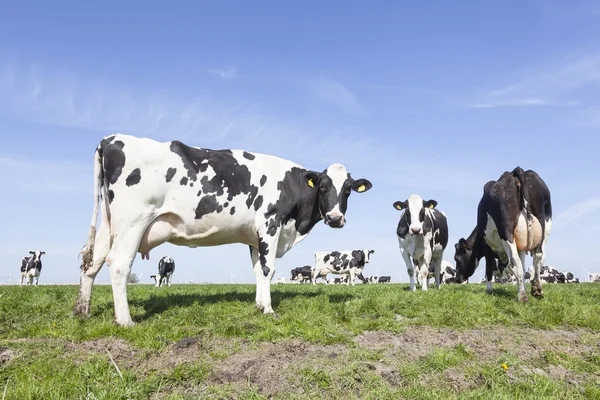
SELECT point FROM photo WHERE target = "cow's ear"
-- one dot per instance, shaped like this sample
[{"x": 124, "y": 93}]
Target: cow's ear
[
  {"x": 371, "y": 251},
  {"x": 43, "y": 252},
  {"x": 31, "y": 252},
  {"x": 430, "y": 204},
  {"x": 361, "y": 185},
  {"x": 311, "y": 178},
  {"x": 400, "y": 205},
  {"x": 463, "y": 243}
]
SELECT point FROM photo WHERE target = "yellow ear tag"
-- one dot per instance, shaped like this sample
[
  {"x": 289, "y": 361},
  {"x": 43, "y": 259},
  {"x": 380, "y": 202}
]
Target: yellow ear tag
[
  {"x": 431, "y": 206},
  {"x": 311, "y": 183},
  {"x": 361, "y": 188},
  {"x": 398, "y": 206}
]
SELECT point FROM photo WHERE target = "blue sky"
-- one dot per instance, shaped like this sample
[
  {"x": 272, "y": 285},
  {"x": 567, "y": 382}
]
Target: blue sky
[{"x": 434, "y": 98}]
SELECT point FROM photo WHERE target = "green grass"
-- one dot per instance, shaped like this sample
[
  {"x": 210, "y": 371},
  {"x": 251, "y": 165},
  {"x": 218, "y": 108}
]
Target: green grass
[{"x": 46, "y": 353}]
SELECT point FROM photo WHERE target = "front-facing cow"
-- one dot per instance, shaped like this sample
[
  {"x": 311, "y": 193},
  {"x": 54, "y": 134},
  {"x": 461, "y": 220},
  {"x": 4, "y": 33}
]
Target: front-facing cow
[
  {"x": 423, "y": 236},
  {"x": 151, "y": 193},
  {"x": 31, "y": 267},
  {"x": 514, "y": 217}
]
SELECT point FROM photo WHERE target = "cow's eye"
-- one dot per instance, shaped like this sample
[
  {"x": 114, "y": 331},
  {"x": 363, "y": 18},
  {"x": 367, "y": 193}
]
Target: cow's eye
[{"x": 324, "y": 189}]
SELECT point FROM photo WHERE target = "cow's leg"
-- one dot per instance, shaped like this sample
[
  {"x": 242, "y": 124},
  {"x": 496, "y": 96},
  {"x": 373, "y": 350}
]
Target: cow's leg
[
  {"x": 514, "y": 257},
  {"x": 87, "y": 276},
  {"x": 120, "y": 259},
  {"x": 409, "y": 267},
  {"x": 539, "y": 258},
  {"x": 437, "y": 265},
  {"x": 258, "y": 275},
  {"x": 313, "y": 276},
  {"x": 352, "y": 277},
  {"x": 22, "y": 279},
  {"x": 37, "y": 280},
  {"x": 267, "y": 253}
]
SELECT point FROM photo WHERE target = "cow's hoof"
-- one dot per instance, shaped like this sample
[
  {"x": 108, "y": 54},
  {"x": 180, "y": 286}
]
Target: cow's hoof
[
  {"x": 537, "y": 293},
  {"x": 126, "y": 324},
  {"x": 259, "y": 306},
  {"x": 523, "y": 297},
  {"x": 81, "y": 312}
]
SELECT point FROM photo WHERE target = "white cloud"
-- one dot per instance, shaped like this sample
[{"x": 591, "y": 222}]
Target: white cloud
[
  {"x": 226, "y": 73},
  {"x": 577, "y": 211},
  {"x": 333, "y": 92},
  {"x": 563, "y": 83}
]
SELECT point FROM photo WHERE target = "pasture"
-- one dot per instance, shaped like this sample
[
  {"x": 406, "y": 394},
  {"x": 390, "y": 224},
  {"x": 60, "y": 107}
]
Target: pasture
[{"x": 368, "y": 342}]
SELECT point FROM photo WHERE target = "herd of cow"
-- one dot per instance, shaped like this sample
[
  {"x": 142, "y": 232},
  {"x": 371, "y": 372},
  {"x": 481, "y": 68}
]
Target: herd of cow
[{"x": 149, "y": 193}]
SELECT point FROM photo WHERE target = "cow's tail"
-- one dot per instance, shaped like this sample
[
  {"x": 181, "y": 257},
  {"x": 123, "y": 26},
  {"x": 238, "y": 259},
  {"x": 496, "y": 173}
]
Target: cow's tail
[
  {"x": 524, "y": 203},
  {"x": 87, "y": 253}
]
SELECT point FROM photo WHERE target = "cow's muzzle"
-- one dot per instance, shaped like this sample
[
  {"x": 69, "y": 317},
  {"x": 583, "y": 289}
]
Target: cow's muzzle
[{"x": 335, "y": 220}]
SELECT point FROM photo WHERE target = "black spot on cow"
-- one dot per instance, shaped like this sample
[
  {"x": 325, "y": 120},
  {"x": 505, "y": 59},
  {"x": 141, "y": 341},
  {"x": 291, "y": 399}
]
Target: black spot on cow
[
  {"x": 263, "y": 180},
  {"x": 170, "y": 174},
  {"x": 263, "y": 250},
  {"x": 248, "y": 156},
  {"x": 232, "y": 211},
  {"x": 226, "y": 204},
  {"x": 183, "y": 181},
  {"x": 134, "y": 177},
  {"x": 114, "y": 159},
  {"x": 111, "y": 196},
  {"x": 229, "y": 174},
  {"x": 258, "y": 202},
  {"x": 251, "y": 196},
  {"x": 207, "y": 205}
]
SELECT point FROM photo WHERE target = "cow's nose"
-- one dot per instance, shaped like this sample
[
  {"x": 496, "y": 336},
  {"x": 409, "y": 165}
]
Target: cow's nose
[
  {"x": 335, "y": 220},
  {"x": 415, "y": 230}
]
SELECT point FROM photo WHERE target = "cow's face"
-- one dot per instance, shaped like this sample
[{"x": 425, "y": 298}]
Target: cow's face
[
  {"x": 414, "y": 209},
  {"x": 334, "y": 186},
  {"x": 466, "y": 264},
  {"x": 368, "y": 255},
  {"x": 37, "y": 254},
  {"x": 295, "y": 275}
]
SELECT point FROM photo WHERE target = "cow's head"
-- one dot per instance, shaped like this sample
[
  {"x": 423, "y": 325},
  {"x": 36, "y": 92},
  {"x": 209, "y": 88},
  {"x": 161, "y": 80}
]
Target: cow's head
[
  {"x": 295, "y": 274},
  {"x": 37, "y": 254},
  {"x": 414, "y": 209},
  {"x": 466, "y": 264},
  {"x": 368, "y": 255},
  {"x": 333, "y": 189}
]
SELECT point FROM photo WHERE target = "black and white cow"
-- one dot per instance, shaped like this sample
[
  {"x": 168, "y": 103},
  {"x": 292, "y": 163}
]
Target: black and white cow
[
  {"x": 350, "y": 262},
  {"x": 423, "y": 235},
  {"x": 384, "y": 279},
  {"x": 31, "y": 267},
  {"x": 514, "y": 217},
  {"x": 571, "y": 278},
  {"x": 338, "y": 281},
  {"x": 594, "y": 277},
  {"x": 368, "y": 279},
  {"x": 301, "y": 274},
  {"x": 166, "y": 267},
  {"x": 152, "y": 193}
]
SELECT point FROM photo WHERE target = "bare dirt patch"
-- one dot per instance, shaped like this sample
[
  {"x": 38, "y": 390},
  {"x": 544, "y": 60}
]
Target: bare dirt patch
[
  {"x": 483, "y": 343},
  {"x": 269, "y": 367},
  {"x": 123, "y": 353}
]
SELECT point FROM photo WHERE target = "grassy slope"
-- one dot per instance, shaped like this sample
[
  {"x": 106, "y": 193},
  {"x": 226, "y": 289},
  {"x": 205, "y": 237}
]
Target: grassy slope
[{"x": 52, "y": 362}]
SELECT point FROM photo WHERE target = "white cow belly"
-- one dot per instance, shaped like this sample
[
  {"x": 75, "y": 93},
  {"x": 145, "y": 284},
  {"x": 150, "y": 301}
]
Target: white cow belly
[{"x": 492, "y": 238}]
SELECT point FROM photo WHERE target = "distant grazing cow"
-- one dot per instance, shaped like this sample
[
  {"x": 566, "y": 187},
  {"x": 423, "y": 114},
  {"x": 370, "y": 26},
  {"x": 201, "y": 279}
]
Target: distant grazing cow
[
  {"x": 166, "y": 267},
  {"x": 595, "y": 277},
  {"x": 350, "y": 262},
  {"x": 152, "y": 193},
  {"x": 514, "y": 218},
  {"x": 384, "y": 279},
  {"x": 368, "y": 279},
  {"x": 338, "y": 281},
  {"x": 423, "y": 235},
  {"x": 571, "y": 278},
  {"x": 301, "y": 274},
  {"x": 31, "y": 267}
]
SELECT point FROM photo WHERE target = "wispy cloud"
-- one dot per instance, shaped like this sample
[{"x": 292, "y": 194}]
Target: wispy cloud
[
  {"x": 566, "y": 82},
  {"x": 333, "y": 92},
  {"x": 226, "y": 73},
  {"x": 577, "y": 211},
  {"x": 45, "y": 176}
]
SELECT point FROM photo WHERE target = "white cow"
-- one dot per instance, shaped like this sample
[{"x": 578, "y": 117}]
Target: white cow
[{"x": 349, "y": 262}]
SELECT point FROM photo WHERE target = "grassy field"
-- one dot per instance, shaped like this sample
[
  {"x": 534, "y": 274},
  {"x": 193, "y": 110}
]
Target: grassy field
[{"x": 367, "y": 342}]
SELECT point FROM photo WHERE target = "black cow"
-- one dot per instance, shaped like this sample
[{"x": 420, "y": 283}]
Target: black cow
[
  {"x": 385, "y": 279},
  {"x": 301, "y": 274},
  {"x": 166, "y": 267},
  {"x": 514, "y": 217}
]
